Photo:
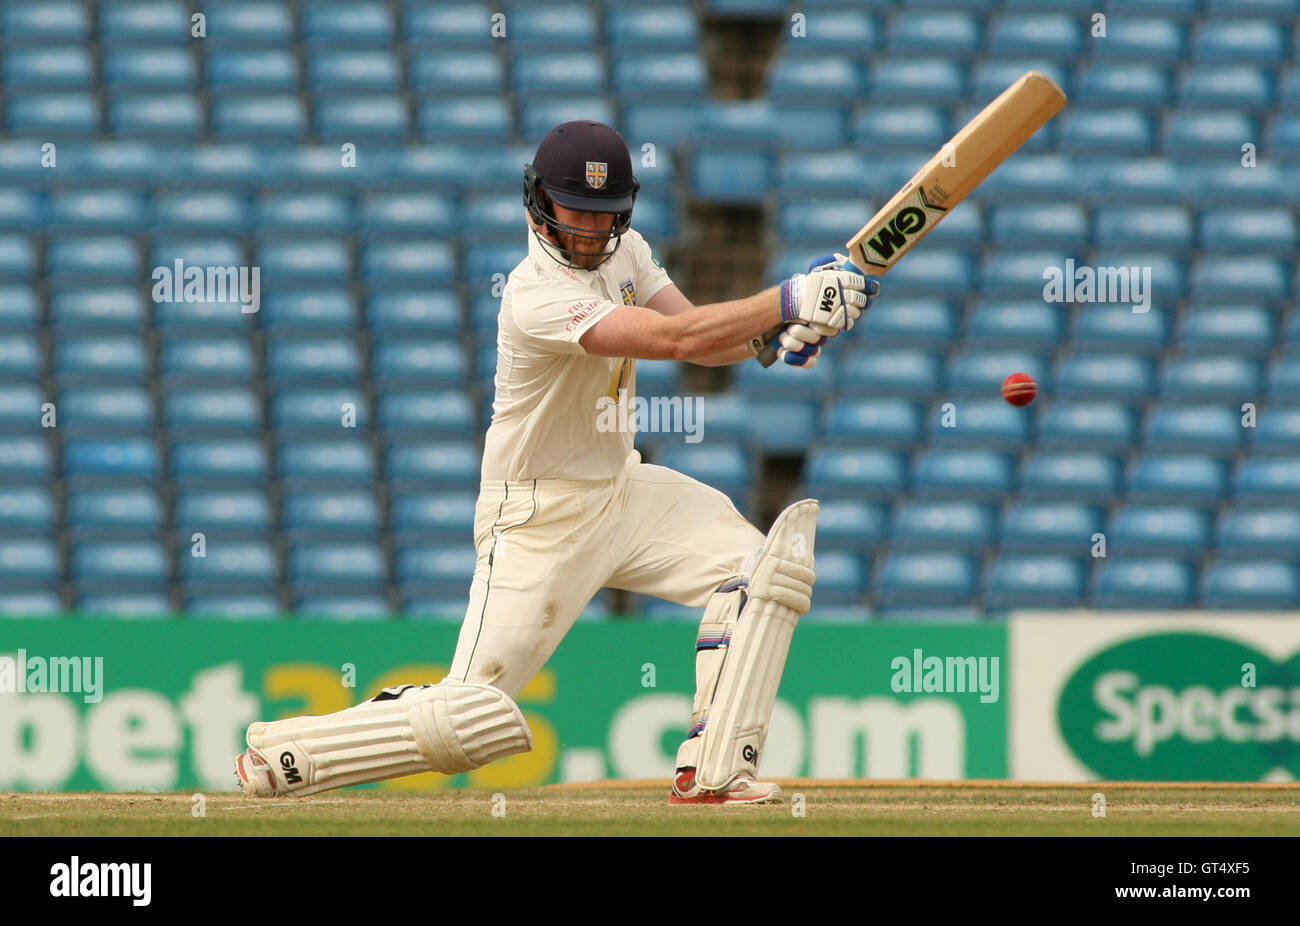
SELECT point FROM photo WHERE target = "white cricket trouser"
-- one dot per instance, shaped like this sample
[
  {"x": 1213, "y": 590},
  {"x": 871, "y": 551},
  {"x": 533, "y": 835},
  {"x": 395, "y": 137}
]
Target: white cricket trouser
[{"x": 546, "y": 546}]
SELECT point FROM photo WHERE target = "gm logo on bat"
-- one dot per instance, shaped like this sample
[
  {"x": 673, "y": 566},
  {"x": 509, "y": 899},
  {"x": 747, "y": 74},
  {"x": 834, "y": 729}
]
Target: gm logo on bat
[{"x": 900, "y": 231}]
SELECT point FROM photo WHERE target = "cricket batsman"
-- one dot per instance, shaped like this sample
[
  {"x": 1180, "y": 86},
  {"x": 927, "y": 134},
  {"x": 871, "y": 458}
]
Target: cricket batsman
[{"x": 565, "y": 508}]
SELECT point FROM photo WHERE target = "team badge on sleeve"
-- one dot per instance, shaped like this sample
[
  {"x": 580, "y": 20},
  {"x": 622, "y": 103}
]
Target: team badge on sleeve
[
  {"x": 627, "y": 289},
  {"x": 597, "y": 174}
]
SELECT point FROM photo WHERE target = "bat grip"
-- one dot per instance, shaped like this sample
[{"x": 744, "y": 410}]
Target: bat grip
[{"x": 767, "y": 353}]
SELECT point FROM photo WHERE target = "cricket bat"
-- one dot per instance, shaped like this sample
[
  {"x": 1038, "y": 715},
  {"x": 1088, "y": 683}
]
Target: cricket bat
[{"x": 947, "y": 178}]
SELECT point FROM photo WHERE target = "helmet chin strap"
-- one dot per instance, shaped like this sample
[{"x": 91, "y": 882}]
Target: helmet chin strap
[{"x": 565, "y": 257}]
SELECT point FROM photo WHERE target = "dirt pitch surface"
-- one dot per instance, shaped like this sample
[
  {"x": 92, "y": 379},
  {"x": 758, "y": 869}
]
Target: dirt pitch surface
[{"x": 641, "y": 808}]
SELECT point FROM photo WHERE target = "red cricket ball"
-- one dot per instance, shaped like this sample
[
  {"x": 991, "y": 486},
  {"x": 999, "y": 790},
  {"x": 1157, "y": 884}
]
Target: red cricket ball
[{"x": 1019, "y": 389}]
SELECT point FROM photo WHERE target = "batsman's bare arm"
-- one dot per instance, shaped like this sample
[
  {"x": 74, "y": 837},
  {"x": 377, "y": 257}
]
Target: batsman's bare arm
[{"x": 669, "y": 327}]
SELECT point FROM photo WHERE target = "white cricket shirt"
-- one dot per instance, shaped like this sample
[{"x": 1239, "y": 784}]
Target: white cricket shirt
[{"x": 544, "y": 417}]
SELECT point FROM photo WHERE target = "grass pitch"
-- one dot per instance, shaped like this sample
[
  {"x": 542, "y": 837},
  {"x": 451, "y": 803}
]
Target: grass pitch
[{"x": 851, "y": 808}]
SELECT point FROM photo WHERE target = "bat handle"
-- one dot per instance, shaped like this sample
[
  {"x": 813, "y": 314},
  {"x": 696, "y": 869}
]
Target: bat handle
[{"x": 767, "y": 353}]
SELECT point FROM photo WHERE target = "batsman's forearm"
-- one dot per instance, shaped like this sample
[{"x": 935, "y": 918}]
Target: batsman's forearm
[{"x": 721, "y": 327}]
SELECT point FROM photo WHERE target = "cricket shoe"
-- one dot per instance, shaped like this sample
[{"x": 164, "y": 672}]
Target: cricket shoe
[
  {"x": 254, "y": 774},
  {"x": 744, "y": 790}
]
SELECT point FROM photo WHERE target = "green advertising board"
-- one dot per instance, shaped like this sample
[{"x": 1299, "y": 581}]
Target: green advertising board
[{"x": 173, "y": 699}]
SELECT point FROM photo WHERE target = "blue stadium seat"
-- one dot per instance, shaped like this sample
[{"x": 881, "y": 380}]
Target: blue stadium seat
[
  {"x": 20, "y": 359},
  {"x": 1039, "y": 34},
  {"x": 404, "y": 314},
  {"x": 1158, "y": 531},
  {"x": 1258, "y": 533},
  {"x": 1269, "y": 480},
  {"x": 446, "y": 570},
  {"x": 350, "y": 70},
  {"x": 939, "y": 272},
  {"x": 105, "y": 411},
  {"x": 95, "y": 209},
  {"x": 1244, "y": 277},
  {"x": 134, "y": 562},
  {"x": 1122, "y": 84},
  {"x": 222, "y": 513},
  {"x": 307, "y": 213},
  {"x": 317, "y": 261},
  {"x": 443, "y": 517},
  {"x": 928, "y": 579},
  {"x": 385, "y": 215},
  {"x": 822, "y": 172},
  {"x": 21, "y": 209},
  {"x": 729, "y": 176},
  {"x": 449, "y": 414},
  {"x": 1122, "y": 377},
  {"x": 463, "y": 72},
  {"x": 125, "y": 606},
  {"x": 1284, "y": 380},
  {"x": 1143, "y": 39},
  {"x": 347, "y": 22},
  {"x": 975, "y": 475},
  {"x": 1121, "y": 131},
  {"x": 224, "y": 462},
  {"x": 256, "y": 24},
  {"x": 233, "y": 607},
  {"x": 17, "y": 257},
  {"x": 906, "y": 79},
  {"x": 378, "y": 118},
  {"x": 309, "y": 311},
  {"x": 28, "y": 562},
  {"x": 662, "y": 77},
  {"x": 1254, "y": 585},
  {"x": 850, "y": 526},
  {"x": 100, "y": 359},
  {"x": 1055, "y": 225},
  {"x": 424, "y": 263},
  {"x": 18, "y": 308},
  {"x": 264, "y": 70},
  {"x": 42, "y": 21},
  {"x": 1277, "y": 430},
  {"x": 665, "y": 125},
  {"x": 97, "y": 309},
  {"x": 262, "y": 117},
  {"x": 891, "y": 372},
  {"x": 428, "y": 363},
  {"x": 1167, "y": 277},
  {"x": 224, "y": 166},
  {"x": 1204, "y": 378},
  {"x": 321, "y": 463},
  {"x": 799, "y": 79},
  {"x": 1212, "y": 429},
  {"x": 1200, "y": 132},
  {"x": 1028, "y": 325},
  {"x": 335, "y": 360},
  {"x": 30, "y": 604},
  {"x": 844, "y": 31},
  {"x": 1130, "y": 181},
  {"x": 496, "y": 216},
  {"x": 954, "y": 34},
  {"x": 989, "y": 424},
  {"x": 841, "y": 580},
  {"x": 956, "y": 526},
  {"x": 1056, "y": 527},
  {"x": 554, "y": 27},
  {"x": 27, "y": 510},
  {"x": 889, "y": 127},
  {"x": 1143, "y": 583},
  {"x": 1087, "y": 425},
  {"x": 141, "y": 21},
  {"x": 202, "y": 318},
  {"x": 1249, "y": 231},
  {"x": 1234, "y": 39},
  {"x": 1180, "y": 479},
  {"x": 104, "y": 257},
  {"x": 814, "y": 222},
  {"x": 1118, "y": 328},
  {"x": 479, "y": 264},
  {"x": 665, "y": 28},
  {"x": 976, "y": 372},
  {"x": 1166, "y": 228},
  {"x": 335, "y": 514},
  {"x": 565, "y": 73},
  {"x": 1013, "y": 273},
  {"x": 23, "y": 459},
  {"x": 448, "y": 26},
  {"x": 197, "y": 211},
  {"x": 1035, "y": 176},
  {"x": 1036, "y": 582},
  {"x": 1238, "y": 329},
  {"x": 449, "y": 464},
  {"x": 920, "y": 323},
  {"x": 342, "y": 606},
  {"x": 856, "y": 473},
  {"x": 212, "y": 412},
  {"x": 874, "y": 422},
  {"x": 1240, "y": 86},
  {"x": 125, "y": 459},
  {"x": 149, "y": 69},
  {"x": 229, "y": 566}
]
